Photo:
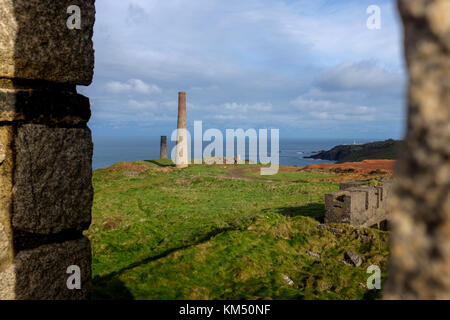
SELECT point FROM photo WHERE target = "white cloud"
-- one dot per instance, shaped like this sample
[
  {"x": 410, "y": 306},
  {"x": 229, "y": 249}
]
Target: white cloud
[
  {"x": 142, "y": 105},
  {"x": 132, "y": 86},
  {"x": 360, "y": 75},
  {"x": 239, "y": 107},
  {"x": 317, "y": 109},
  {"x": 248, "y": 64}
]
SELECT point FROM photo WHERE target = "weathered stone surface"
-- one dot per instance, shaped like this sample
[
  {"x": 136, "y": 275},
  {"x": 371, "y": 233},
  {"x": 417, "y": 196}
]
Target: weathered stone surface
[
  {"x": 337, "y": 207},
  {"x": 45, "y": 198},
  {"x": 353, "y": 258},
  {"x": 353, "y": 184},
  {"x": 288, "y": 280},
  {"x": 4, "y": 243},
  {"x": 52, "y": 188},
  {"x": 6, "y": 180},
  {"x": 7, "y": 281},
  {"x": 41, "y": 273},
  {"x": 420, "y": 243},
  {"x": 313, "y": 254},
  {"x": 44, "y": 106},
  {"x": 2, "y": 153},
  {"x": 35, "y": 42},
  {"x": 335, "y": 231}
]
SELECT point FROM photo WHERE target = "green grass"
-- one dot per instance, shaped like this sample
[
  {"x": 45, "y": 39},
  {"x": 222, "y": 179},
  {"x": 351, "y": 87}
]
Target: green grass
[
  {"x": 195, "y": 234},
  {"x": 295, "y": 176}
]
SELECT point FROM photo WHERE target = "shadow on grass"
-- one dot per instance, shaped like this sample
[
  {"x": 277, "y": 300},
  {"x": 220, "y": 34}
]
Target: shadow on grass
[
  {"x": 373, "y": 295},
  {"x": 313, "y": 210},
  {"x": 162, "y": 162},
  {"x": 110, "y": 287},
  {"x": 113, "y": 289}
]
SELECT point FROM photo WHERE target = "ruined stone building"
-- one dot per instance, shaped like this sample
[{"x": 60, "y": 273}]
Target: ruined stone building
[{"x": 359, "y": 204}]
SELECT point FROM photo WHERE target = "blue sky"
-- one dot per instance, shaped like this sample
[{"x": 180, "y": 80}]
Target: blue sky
[{"x": 310, "y": 68}]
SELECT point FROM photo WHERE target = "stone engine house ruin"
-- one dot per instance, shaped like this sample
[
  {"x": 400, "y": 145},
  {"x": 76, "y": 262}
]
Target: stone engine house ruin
[{"x": 359, "y": 204}]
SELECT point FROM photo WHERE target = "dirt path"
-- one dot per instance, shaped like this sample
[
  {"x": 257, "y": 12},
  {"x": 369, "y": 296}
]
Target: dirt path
[
  {"x": 348, "y": 171},
  {"x": 239, "y": 174}
]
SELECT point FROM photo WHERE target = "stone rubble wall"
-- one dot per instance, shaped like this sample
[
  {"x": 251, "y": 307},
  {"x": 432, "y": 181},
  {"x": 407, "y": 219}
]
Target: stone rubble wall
[{"x": 45, "y": 149}]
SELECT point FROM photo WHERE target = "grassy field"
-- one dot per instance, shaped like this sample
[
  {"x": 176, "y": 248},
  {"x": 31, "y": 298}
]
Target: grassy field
[{"x": 162, "y": 233}]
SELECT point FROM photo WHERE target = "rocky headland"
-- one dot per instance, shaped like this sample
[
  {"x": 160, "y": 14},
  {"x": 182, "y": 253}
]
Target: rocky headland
[{"x": 357, "y": 152}]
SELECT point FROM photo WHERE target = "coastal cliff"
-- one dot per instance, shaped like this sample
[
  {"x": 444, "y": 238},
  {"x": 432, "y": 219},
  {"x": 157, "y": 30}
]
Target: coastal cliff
[{"x": 350, "y": 153}]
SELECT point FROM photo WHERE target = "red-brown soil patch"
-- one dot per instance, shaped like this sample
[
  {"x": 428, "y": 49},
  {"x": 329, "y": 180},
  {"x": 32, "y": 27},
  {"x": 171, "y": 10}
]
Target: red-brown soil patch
[
  {"x": 112, "y": 223},
  {"x": 136, "y": 168},
  {"x": 363, "y": 167},
  {"x": 163, "y": 169},
  {"x": 129, "y": 166}
]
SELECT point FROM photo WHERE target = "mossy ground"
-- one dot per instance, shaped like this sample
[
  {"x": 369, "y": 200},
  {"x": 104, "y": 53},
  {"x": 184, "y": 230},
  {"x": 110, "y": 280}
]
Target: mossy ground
[{"x": 162, "y": 233}]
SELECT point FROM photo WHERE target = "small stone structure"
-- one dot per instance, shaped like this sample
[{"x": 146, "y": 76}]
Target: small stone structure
[
  {"x": 45, "y": 150},
  {"x": 163, "y": 150},
  {"x": 359, "y": 204},
  {"x": 181, "y": 159}
]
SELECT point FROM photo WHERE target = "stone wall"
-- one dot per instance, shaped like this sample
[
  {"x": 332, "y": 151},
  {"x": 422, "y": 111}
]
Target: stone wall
[
  {"x": 420, "y": 243},
  {"x": 358, "y": 204},
  {"x": 36, "y": 44},
  {"x": 45, "y": 149}
]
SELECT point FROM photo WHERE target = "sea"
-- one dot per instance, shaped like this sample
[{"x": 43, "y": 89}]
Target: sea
[{"x": 109, "y": 150}]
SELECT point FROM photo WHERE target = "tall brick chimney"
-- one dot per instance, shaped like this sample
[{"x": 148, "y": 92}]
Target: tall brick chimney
[
  {"x": 163, "y": 149},
  {"x": 181, "y": 160}
]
